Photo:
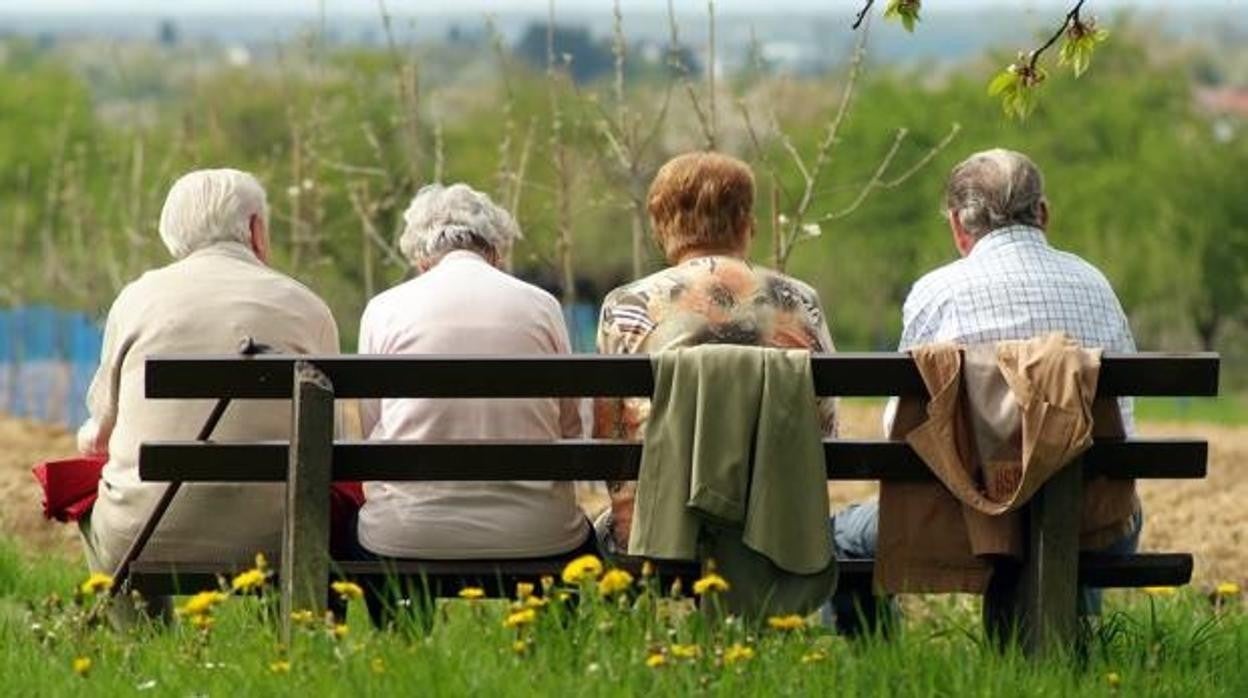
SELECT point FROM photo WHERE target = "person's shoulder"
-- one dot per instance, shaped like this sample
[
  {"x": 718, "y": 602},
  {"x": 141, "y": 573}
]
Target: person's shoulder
[
  {"x": 1083, "y": 267},
  {"x": 770, "y": 278},
  {"x": 939, "y": 283}
]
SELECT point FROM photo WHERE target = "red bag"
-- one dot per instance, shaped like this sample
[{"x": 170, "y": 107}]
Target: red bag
[{"x": 70, "y": 486}]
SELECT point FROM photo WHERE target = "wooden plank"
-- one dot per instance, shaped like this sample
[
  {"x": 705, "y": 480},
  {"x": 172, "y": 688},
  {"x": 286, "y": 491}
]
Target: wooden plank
[
  {"x": 848, "y": 460},
  {"x": 1049, "y": 576},
  {"x": 305, "y": 536},
  {"x": 160, "y": 577},
  {"x": 843, "y": 374}
]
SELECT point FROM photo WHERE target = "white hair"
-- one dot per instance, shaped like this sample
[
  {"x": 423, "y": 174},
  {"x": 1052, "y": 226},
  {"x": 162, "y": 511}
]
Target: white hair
[
  {"x": 210, "y": 206},
  {"x": 443, "y": 219},
  {"x": 993, "y": 189}
]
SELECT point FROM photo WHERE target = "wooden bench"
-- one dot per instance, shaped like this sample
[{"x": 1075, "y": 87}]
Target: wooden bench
[{"x": 1043, "y": 604}]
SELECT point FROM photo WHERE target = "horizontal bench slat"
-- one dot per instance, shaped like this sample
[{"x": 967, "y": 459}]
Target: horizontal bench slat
[
  {"x": 192, "y": 461},
  {"x": 499, "y": 578},
  {"x": 842, "y": 374}
]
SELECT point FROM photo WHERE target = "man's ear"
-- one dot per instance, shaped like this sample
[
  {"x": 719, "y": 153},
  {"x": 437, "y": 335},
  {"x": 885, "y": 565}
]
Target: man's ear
[
  {"x": 259, "y": 237},
  {"x": 1042, "y": 215},
  {"x": 962, "y": 239}
]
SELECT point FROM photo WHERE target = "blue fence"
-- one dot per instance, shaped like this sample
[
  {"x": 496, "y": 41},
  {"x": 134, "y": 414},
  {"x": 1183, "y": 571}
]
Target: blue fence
[{"x": 47, "y": 359}]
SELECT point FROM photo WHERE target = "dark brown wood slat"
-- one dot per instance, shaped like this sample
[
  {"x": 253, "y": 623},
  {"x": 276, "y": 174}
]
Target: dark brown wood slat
[
  {"x": 596, "y": 460},
  {"x": 844, "y": 374},
  {"x": 155, "y": 577}
]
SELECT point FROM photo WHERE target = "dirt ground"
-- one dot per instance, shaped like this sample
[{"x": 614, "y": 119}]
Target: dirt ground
[{"x": 1207, "y": 517}]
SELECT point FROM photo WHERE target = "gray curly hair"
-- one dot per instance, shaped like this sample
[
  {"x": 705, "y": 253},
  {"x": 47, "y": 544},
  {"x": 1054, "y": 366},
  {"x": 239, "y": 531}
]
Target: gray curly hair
[
  {"x": 443, "y": 219},
  {"x": 994, "y": 189}
]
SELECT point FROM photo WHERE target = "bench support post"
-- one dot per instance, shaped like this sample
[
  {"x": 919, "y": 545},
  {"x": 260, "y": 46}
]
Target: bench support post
[
  {"x": 1048, "y": 584},
  {"x": 305, "y": 535}
]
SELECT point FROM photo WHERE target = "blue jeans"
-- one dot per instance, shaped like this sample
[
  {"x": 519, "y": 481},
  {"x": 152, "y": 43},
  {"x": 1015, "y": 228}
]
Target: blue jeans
[{"x": 856, "y": 532}]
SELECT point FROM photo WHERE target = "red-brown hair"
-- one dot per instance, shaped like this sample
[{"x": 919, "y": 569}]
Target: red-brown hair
[{"x": 701, "y": 200}]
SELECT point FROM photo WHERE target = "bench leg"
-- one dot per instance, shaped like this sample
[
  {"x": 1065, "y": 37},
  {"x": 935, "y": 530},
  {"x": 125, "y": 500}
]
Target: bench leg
[{"x": 305, "y": 536}]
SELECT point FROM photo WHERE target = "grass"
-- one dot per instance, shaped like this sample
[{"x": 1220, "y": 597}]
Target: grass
[
  {"x": 1149, "y": 645},
  {"x": 1231, "y": 409}
]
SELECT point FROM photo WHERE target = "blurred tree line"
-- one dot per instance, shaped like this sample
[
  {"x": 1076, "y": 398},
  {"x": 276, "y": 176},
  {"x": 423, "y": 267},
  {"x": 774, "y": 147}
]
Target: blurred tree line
[{"x": 1141, "y": 183}]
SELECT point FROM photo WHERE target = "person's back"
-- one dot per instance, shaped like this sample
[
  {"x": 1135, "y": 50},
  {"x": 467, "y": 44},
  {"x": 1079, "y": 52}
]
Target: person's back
[
  {"x": 462, "y": 304},
  {"x": 205, "y": 303}
]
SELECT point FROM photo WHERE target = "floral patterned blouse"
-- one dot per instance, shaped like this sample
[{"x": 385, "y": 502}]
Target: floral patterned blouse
[{"x": 705, "y": 300}]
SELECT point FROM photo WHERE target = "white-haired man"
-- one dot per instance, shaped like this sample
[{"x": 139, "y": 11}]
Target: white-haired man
[
  {"x": 462, "y": 302},
  {"x": 218, "y": 291},
  {"x": 1010, "y": 283}
]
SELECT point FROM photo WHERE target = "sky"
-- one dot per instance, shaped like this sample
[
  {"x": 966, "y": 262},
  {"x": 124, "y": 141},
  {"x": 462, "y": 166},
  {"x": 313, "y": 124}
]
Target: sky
[{"x": 184, "y": 7}]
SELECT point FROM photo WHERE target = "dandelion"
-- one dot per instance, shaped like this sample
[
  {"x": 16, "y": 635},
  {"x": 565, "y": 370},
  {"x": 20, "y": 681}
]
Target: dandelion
[
  {"x": 378, "y": 665},
  {"x": 249, "y": 581},
  {"x": 520, "y": 618},
  {"x": 583, "y": 568},
  {"x": 1113, "y": 679},
  {"x": 281, "y": 666},
  {"x": 303, "y": 618},
  {"x": 1226, "y": 590},
  {"x": 814, "y": 656},
  {"x": 339, "y": 631},
  {"x": 614, "y": 582},
  {"x": 547, "y": 582},
  {"x": 535, "y": 602},
  {"x": 203, "y": 622},
  {"x": 710, "y": 584},
  {"x": 686, "y": 651},
  {"x": 647, "y": 569},
  {"x": 348, "y": 591},
  {"x": 523, "y": 590},
  {"x": 654, "y": 661},
  {"x": 1161, "y": 591},
  {"x": 202, "y": 603},
  {"x": 738, "y": 652},
  {"x": 472, "y": 593},
  {"x": 82, "y": 665},
  {"x": 519, "y": 647},
  {"x": 262, "y": 562},
  {"x": 98, "y": 582},
  {"x": 786, "y": 623}
]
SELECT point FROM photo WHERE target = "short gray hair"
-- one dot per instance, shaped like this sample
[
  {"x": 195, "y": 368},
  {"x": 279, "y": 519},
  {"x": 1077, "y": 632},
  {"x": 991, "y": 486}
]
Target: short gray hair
[
  {"x": 210, "y": 206},
  {"x": 443, "y": 219},
  {"x": 994, "y": 189}
]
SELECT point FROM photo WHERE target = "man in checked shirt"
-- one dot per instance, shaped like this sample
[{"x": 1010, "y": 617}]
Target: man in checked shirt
[{"x": 1009, "y": 284}]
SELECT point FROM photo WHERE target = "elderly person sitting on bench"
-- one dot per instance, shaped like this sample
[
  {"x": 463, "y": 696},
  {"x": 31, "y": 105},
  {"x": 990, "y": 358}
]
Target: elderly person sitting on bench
[
  {"x": 462, "y": 302},
  {"x": 701, "y": 208},
  {"x": 219, "y": 291}
]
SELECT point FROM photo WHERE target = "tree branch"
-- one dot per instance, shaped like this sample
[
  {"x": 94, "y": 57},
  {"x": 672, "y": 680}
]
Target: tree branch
[
  {"x": 1072, "y": 16},
  {"x": 862, "y": 14}
]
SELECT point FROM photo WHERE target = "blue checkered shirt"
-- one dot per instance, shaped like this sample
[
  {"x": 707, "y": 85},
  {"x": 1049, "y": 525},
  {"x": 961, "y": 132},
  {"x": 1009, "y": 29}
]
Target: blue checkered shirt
[{"x": 1014, "y": 285}]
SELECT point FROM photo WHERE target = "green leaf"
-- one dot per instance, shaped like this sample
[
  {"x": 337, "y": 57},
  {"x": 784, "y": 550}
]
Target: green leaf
[
  {"x": 1004, "y": 80},
  {"x": 907, "y": 11}
]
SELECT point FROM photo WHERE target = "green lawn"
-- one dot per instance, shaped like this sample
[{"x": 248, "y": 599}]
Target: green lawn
[
  {"x": 1224, "y": 409},
  {"x": 1147, "y": 645}
]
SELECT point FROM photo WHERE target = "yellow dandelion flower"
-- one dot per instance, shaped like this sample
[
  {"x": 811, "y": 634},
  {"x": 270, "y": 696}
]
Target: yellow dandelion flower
[
  {"x": 281, "y": 666},
  {"x": 655, "y": 661},
  {"x": 583, "y": 568},
  {"x": 472, "y": 593},
  {"x": 814, "y": 656},
  {"x": 262, "y": 562},
  {"x": 339, "y": 631},
  {"x": 1161, "y": 591},
  {"x": 249, "y": 581},
  {"x": 378, "y": 665},
  {"x": 98, "y": 582},
  {"x": 82, "y": 665},
  {"x": 686, "y": 651},
  {"x": 520, "y": 618},
  {"x": 519, "y": 647},
  {"x": 1226, "y": 589},
  {"x": 547, "y": 582},
  {"x": 710, "y": 584},
  {"x": 202, "y": 603},
  {"x": 203, "y": 621},
  {"x": 536, "y": 602},
  {"x": 348, "y": 591},
  {"x": 786, "y": 623},
  {"x": 647, "y": 569},
  {"x": 304, "y": 618},
  {"x": 614, "y": 582},
  {"x": 738, "y": 652},
  {"x": 523, "y": 590},
  {"x": 1113, "y": 679}
]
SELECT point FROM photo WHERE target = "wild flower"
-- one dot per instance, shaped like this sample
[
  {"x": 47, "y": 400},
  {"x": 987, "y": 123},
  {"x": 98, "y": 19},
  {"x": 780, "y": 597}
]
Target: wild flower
[
  {"x": 814, "y": 656},
  {"x": 202, "y": 603},
  {"x": 203, "y": 621},
  {"x": 685, "y": 651},
  {"x": 519, "y": 647},
  {"x": 98, "y": 582},
  {"x": 377, "y": 665},
  {"x": 1227, "y": 589},
  {"x": 1161, "y": 591},
  {"x": 547, "y": 582},
  {"x": 1113, "y": 679},
  {"x": 656, "y": 660},
  {"x": 520, "y": 618},
  {"x": 82, "y": 665},
  {"x": 339, "y": 631},
  {"x": 647, "y": 569},
  {"x": 303, "y": 618},
  {"x": 347, "y": 591},
  {"x": 472, "y": 593},
  {"x": 280, "y": 666},
  {"x": 523, "y": 590},
  {"x": 249, "y": 581},
  {"x": 737, "y": 653},
  {"x": 614, "y": 582},
  {"x": 536, "y": 602},
  {"x": 583, "y": 568},
  {"x": 786, "y": 623},
  {"x": 710, "y": 584}
]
